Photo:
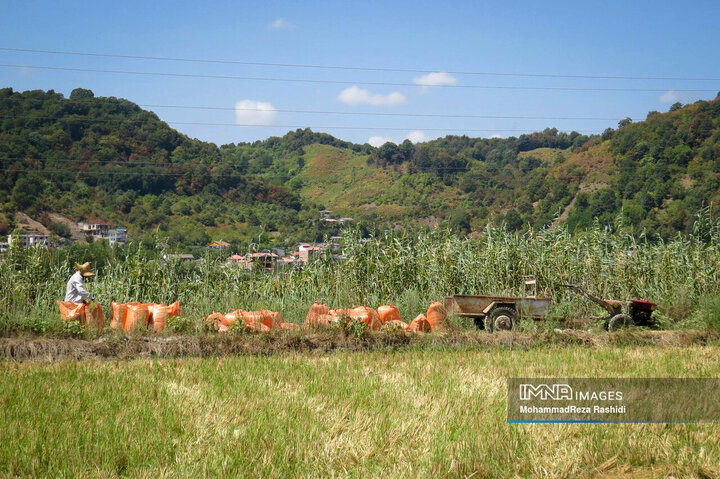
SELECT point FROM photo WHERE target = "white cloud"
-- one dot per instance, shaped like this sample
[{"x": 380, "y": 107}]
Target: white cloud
[
  {"x": 379, "y": 141},
  {"x": 356, "y": 96},
  {"x": 415, "y": 136},
  {"x": 249, "y": 112},
  {"x": 280, "y": 24},
  {"x": 435, "y": 79},
  {"x": 672, "y": 96}
]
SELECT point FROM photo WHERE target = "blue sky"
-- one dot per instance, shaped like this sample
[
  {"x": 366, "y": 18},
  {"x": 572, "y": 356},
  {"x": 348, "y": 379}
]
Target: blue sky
[{"x": 610, "y": 38}]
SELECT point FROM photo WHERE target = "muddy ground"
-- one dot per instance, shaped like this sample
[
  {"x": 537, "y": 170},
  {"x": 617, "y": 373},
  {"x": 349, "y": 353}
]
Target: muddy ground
[{"x": 326, "y": 341}]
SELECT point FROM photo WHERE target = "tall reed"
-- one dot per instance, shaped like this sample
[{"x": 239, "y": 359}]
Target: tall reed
[{"x": 409, "y": 269}]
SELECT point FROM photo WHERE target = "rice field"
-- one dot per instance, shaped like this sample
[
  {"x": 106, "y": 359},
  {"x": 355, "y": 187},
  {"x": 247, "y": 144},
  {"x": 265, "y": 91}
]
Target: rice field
[{"x": 415, "y": 413}]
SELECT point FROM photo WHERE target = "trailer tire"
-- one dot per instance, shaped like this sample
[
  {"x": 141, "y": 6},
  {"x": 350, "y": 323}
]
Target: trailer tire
[
  {"x": 501, "y": 318},
  {"x": 620, "y": 321}
]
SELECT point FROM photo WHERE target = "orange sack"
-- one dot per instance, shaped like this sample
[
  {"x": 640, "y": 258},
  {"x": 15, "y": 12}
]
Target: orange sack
[
  {"x": 393, "y": 325},
  {"x": 70, "y": 311},
  {"x": 119, "y": 312},
  {"x": 218, "y": 321},
  {"x": 316, "y": 310},
  {"x": 87, "y": 314},
  {"x": 325, "y": 320},
  {"x": 388, "y": 313},
  {"x": 420, "y": 325},
  {"x": 230, "y": 318},
  {"x": 94, "y": 315},
  {"x": 271, "y": 319},
  {"x": 339, "y": 313},
  {"x": 260, "y": 321},
  {"x": 158, "y": 314},
  {"x": 437, "y": 315},
  {"x": 137, "y": 316},
  {"x": 367, "y": 315},
  {"x": 174, "y": 310}
]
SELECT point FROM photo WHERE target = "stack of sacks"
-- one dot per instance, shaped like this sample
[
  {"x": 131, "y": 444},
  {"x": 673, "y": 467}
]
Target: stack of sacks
[
  {"x": 262, "y": 321},
  {"x": 134, "y": 315},
  {"x": 321, "y": 315},
  {"x": 385, "y": 317}
]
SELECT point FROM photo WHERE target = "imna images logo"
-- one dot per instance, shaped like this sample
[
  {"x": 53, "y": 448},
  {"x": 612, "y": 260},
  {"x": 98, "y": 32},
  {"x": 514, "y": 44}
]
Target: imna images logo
[{"x": 544, "y": 392}]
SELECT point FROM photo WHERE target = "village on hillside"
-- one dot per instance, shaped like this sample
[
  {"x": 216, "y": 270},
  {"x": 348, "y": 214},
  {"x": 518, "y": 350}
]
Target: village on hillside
[{"x": 31, "y": 233}]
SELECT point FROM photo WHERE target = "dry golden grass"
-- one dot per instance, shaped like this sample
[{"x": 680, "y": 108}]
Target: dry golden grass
[{"x": 418, "y": 413}]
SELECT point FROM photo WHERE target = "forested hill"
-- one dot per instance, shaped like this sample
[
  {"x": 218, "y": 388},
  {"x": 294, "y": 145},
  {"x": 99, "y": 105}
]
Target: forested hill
[{"x": 106, "y": 158}]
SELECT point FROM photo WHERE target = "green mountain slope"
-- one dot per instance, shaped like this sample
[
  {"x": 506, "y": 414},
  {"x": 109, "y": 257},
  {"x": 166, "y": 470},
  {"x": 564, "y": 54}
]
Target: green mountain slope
[{"x": 88, "y": 157}]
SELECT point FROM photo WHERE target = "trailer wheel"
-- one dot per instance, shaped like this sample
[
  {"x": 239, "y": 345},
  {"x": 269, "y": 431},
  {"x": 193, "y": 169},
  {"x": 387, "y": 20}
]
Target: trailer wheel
[
  {"x": 501, "y": 318},
  {"x": 620, "y": 321}
]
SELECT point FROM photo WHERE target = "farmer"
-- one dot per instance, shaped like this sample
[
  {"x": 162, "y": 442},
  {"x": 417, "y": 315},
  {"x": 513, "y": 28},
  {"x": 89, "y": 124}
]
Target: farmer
[{"x": 75, "y": 290}]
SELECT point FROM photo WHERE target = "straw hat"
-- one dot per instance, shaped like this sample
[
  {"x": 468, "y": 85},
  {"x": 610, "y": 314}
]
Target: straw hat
[{"x": 84, "y": 269}]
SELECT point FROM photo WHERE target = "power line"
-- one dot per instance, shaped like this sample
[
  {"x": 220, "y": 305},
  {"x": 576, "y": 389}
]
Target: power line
[
  {"x": 354, "y": 68},
  {"x": 318, "y": 127},
  {"x": 350, "y": 113},
  {"x": 345, "y": 82}
]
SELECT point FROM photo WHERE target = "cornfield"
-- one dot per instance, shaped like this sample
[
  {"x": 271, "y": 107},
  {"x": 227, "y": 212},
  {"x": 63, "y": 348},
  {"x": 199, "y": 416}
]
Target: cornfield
[{"x": 681, "y": 274}]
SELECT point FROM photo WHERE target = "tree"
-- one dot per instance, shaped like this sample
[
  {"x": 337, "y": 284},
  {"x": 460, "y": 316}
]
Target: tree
[
  {"x": 513, "y": 220},
  {"x": 81, "y": 93},
  {"x": 624, "y": 122}
]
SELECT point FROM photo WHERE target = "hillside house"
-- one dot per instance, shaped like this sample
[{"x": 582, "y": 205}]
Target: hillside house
[
  {"x": 29, "y": 240},
  {"x": 95, "y": 228}
]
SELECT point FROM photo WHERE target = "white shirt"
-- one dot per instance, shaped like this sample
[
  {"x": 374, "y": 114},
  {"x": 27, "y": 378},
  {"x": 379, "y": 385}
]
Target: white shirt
[{"x": 75, "y": 290}]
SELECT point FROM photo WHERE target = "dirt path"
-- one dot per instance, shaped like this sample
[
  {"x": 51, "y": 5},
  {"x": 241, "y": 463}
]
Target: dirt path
[{"x": 320, "y": 342}]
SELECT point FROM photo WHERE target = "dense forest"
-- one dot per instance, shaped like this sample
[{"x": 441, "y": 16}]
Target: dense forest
[{"x": 106, "y": 158}]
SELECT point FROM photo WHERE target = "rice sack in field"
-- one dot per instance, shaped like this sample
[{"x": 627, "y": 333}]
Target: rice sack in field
[
  {"x": 367, "y": 315},
  {"x": 388, "y": 313},
  {"x": 136, "y": 317},
  {"x": 158, "y": 315},
  {"x": 70, "y": 311},
  {"x": 420, "y": 325},
  {"x": 316, "y": 310},
  {"x": 437, "y": 315},
  {"x": 261, "y": 321},
  {"x": 217, "y": 321},
  {"x": 133, "y": 315},
  {"x": 88, "y": 314},
  {"x": 395, "y": 325}
]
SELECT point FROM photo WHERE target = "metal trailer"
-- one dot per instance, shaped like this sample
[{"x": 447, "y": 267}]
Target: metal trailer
[{"x": 497, "y": 313}]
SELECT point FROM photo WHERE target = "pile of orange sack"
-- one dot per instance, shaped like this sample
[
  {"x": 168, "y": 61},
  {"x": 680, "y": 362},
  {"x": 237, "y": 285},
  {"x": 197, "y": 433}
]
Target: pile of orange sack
[
  {"x": 129, "y": 316},
  {"x": 262, "y": 321},
  {"x": 385, "y": 317}
]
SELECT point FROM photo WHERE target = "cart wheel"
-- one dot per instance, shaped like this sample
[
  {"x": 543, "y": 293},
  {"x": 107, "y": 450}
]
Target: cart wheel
[
  {"x": 620, "y": 321},
  {"x": 500, "y": 319}
]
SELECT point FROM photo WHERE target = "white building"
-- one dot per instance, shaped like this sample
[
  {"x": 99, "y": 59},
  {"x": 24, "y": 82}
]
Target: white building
[
  {"x": 117, "y": 236},
  {"x": 29, "y": 240}
]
